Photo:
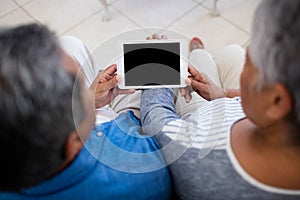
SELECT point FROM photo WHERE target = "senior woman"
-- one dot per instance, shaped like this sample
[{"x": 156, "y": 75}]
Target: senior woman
[{"x": 239, "y": 148}]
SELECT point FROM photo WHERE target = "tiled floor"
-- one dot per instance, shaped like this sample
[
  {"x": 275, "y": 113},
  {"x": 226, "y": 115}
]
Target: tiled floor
[{"x": 177, "y": 18}]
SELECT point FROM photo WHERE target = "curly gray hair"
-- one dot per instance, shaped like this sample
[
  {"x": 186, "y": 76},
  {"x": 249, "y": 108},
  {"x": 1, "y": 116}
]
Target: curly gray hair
[{"x": 275, "y": 45}]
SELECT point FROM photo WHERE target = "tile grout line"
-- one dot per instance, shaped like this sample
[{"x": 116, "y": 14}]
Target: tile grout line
[
  {"x": 163, "y": 29},
  {"x": 197, "y": 2},
  {"x": 237, "y": 26},
  {"x": 81, "y": 21},
  {"x": 77, "y": 24},
  {"x": 26, "y": 12},
  {"x": 13, "y": 10},
  {"x": 227, "y": 20},
  {"x": 182, "y": 16},
  {"x": 245, "y": 43},
  {"x": 24, "y": 4},
  {"x": 90, "y": 16},
  {"x": 202, "y": 2},
  {"x": 122, "y": 14}
]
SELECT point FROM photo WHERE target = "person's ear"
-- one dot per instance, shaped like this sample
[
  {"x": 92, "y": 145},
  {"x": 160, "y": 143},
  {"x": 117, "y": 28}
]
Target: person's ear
[
  {"x": 281, "y": 102},
  {"x": 73, "y": 146}
]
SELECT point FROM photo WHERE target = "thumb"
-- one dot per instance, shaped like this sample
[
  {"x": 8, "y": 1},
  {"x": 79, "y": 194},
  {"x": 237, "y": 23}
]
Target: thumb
[
  {"x": 112, "y": 83},
  {"x": 197, "y": 86}
]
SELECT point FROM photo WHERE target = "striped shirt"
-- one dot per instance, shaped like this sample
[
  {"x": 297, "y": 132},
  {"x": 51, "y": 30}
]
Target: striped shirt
[
  {"x": 198, "y": 149},
  {"x": 208, "y": 125}
]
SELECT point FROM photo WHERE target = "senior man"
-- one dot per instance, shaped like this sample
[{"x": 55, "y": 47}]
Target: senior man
[{"x": 50, "y": 148}]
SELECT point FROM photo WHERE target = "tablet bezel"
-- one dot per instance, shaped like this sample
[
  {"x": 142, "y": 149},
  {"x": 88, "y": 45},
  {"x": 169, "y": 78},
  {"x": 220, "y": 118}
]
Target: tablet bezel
[{"x": 183, "y": 63}]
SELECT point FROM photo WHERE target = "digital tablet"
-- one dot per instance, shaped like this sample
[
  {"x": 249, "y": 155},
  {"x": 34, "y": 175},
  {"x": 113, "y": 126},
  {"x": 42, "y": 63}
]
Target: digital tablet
[{"x": 152, "y": 64}]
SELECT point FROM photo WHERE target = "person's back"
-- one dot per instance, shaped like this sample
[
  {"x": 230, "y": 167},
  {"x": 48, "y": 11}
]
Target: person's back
[
  {"x": 244, "y": 147},
  {"x": 47, "y": 116}
]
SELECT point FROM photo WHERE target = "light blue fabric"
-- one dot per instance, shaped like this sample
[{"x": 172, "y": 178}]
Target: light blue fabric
[
  {"x": 157, "y": 109},
  {"x": 100, "y": 171}
]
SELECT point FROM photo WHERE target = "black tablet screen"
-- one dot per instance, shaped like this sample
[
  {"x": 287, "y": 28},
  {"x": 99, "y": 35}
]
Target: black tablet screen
[{"x": 152, "y": 64}]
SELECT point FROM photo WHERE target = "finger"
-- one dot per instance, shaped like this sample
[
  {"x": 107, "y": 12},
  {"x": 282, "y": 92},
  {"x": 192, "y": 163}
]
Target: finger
[
  {"x": 164, "y": 37},
  {"x": 105, "y": 77},
  {"x": 121, "y": 91},
  {"x": 188, "y": 81},
  {"x": 183, "y": 91},
  {"x": 156, "y": 36},
  {"x": 108, "y": 85},
  {"x": 198, "y": 86},
  {"x": 195, "y": 73},
  {"x": 111, "y": 70},
  {"x": 107, "y": 74},
  {"x": 186, "y": 94},
  {"x": 188, "y": 97}
]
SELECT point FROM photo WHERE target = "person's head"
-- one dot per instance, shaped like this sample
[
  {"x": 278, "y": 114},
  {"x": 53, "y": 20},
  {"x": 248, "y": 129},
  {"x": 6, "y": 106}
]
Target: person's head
[
  {"x": 270, "y": 82},
  {"x": 38, "y": 94}
]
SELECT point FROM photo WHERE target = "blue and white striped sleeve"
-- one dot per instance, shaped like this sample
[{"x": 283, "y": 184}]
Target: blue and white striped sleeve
[{"x": 157, "y": 109}]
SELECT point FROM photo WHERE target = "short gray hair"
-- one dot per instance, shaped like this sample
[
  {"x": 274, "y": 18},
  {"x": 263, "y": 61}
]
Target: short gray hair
[
  {"x": 275, "y": 46},
  {"x": 36, "y": 96}
]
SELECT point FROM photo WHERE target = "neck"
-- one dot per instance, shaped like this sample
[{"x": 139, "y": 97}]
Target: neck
[{"x": 278, "y": 135}]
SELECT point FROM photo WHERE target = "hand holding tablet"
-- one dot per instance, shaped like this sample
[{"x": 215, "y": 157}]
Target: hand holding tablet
[{"x": 152, "y": 64}]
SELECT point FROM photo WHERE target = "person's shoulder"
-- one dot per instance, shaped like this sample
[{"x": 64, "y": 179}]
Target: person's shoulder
[{"x": 121, "y": 136}]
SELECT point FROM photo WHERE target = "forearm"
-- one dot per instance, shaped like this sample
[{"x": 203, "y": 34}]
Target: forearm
[
  {"x": 230, "y": 93},
  {"x": 157, "y": 109}
]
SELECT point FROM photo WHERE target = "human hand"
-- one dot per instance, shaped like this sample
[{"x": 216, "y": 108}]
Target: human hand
[
  {"x": 105, "y": 87},
  {"x": 156, "y": 36},
  {"x": 186, "y": 92},
  {"x": 201, "y": 84}
]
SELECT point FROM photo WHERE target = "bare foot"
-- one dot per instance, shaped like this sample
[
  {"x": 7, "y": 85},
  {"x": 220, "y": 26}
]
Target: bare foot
[{"x": 196, "y": 43}]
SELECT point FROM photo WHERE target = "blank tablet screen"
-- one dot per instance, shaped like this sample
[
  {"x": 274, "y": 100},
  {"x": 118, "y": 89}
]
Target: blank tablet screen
[{"x": 147, "y": 64}]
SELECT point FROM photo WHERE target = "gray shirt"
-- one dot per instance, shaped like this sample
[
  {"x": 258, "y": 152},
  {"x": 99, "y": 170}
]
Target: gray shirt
[{"x": 198, "y": 149}]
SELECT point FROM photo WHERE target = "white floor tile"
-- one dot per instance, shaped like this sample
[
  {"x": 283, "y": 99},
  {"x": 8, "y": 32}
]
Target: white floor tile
[
  {"x": 62, "y": 15},
  {"x": 187, "y": 18},
  {"x": 199, "y": 1},
  {"x": 155, "y": 13},
  {"x": 16, "y": 17},
  {"x": 101, "y": 36},
  {"x": 7, "y": 6},
  {"x": 22, "y": 2},
  {"x": 239, "y": 12},
  {"x": 106, "y": 53},
  {"x": 215, "y": 32},
  {"x": 94, "y": 31},
  {"x": 246, "y": 44}
]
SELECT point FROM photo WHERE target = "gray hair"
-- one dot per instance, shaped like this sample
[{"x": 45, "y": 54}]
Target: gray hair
[
  {"x": 275, "y": 46},
  {"x": 35, "y": 106}
]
